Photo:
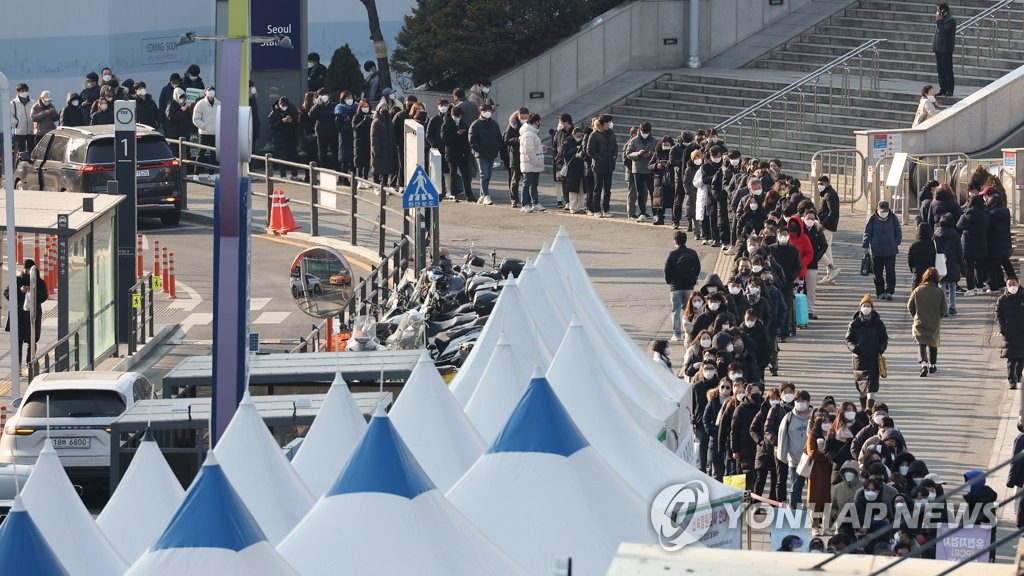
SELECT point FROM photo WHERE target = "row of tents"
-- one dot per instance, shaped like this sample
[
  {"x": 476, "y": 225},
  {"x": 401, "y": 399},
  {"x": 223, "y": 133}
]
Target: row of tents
[{"x": 552, "y": 442}]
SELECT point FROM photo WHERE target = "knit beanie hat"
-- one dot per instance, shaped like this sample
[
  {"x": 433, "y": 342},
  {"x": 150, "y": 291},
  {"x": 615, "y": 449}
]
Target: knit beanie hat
[{"x": 867, "y": 300}]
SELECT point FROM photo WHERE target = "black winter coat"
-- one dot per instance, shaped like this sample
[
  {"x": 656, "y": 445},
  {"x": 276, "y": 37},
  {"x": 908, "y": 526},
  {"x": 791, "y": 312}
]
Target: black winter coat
[
  {"x": 382, "y": 147},
  {"x": 1010, "y": 316},
  {"x": 947, "y": 242},
  {"x": 866, "y": 338},
  {"x": 361, "y": 123},
  {"x": 485, "y": 138},
  {"x": 433, "y": 132},
  {"x": 179, "y": 122},
  {"x": 921, "y": 255},
  {"x": 147, "y": 112},
  {"x": 940, "y": 207},
  {"x": 323, "y": 115},
  {"x": 455, "y": 136},
  {"x": 973, "y": 227},
  {"x": 285, "y": 135},
  {"x": 73, "y": 116},
  {"x": 817, "y": 237},
  {"x": 828, "y": 212},
  {"x": 999, "y": 244},
  {"x": 603, "y": 150},
  {"x": 764, "y": 457},
  {"x": 788, "y": 257},
  {"x": 664, "y": 186},
  {"x": 682, "y": 269},
  {"x": 944, "y": 39},
  {"x": 573, "y": 153},
  {"x": 740, "y": 440}
]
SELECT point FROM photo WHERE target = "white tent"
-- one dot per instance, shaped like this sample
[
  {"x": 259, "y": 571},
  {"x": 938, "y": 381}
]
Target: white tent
[
  {"x": 384, "y": 517},
  {"x": 211, "y": 533},
  {"x": 543, "y": 492},
  {"x": 646, "y": 464},
  {"x": 335, "y": 432},
  {"x": 436, "y": 429},
  {"x": 501, "y": 386},
  {"x": 143, "y": 503},
  {"x": 63, "y": 519},
  {"x": 261, "y": 474},
  {"x": 543, "y": 311},
  {"x": 23, "y": 549},
  {"x": 510, "y": 317}
]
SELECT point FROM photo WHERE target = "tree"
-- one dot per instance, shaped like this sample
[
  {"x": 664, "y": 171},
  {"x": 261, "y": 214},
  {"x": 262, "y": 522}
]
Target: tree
[
  {"x": 448, "y": 43},
  {"x": 344, "y": 73},
  {"x": 380, "y": 47}
]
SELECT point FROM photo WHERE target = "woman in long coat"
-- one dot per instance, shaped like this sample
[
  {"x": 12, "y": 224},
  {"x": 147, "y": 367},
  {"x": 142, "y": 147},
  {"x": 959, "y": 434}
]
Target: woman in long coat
[
  {"x": 382, "y": 147},
  {"x": 361, "y": 137},
  {"x": 866, "y": 338},
  {"x": 947, "y": 243},
  {"x": 819, "y": 484},
  {"x": 928, "y": 306},
  {"x": 1010, "y": 315},
  {"x": 973, "y": 227}
]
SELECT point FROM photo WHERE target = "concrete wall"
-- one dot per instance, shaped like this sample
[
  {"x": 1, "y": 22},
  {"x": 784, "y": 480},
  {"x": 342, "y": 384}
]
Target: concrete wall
[{"x": 631, "y": 37}]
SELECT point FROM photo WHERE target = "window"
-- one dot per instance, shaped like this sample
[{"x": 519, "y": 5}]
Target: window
[
  {"x": 73, "y": 404},
  {"x": 77, "y": 150},
  {"x": 142, "y": 390},
  {"x": 57, "y": 149},
  {"x": 39, "y": 152},
  {"x": 147, "y": 149}
]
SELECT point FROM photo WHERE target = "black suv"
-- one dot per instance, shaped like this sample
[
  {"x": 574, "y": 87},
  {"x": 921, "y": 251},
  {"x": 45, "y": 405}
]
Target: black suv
[{"x": 82, "y": 160}]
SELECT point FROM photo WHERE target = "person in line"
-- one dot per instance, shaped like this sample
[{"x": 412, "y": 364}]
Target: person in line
[
  {"x": 344, "y": 113},
  {"x": 639, "y": 151},
  {"x": 947, "y": 243},
  {"x": 147, "y": 112},
  {"x": 90, "y": 90},
  {"x": 326, "y": 130},
  {"x": 531, "y": 162},
  {"x": 102, "y": 111},
  {"x": 944, "y": 203},
  {"x": 167, "y": 92},
  {"x": 792, "y": 439},
  {"x": 433, "y": 137},
  {"x": 602, "y": 150},
  {"x": 561, "y": 138},
  {"x": 284, "y": 133},
  {"x": 374, "y": 84},
  {"x": 928, "y": 306},
  {"x": 204, "y": 117},
  {"x": 743, "y": 446},
  {"x": 921, "y": 255},
  {"x": 192, "y": 78},
  {"x": 828, "y": 216},
  {"x": 362, "y": 121},
  {"x": 764, "y": 462},
  {"x": 316, "y": 73},
  {"x": 44, "y": 115},
  {"x": 485, "y": 140},
  {"x": 21, "y": 119},
  {"x": 177, "y": 118},
  {"x": 882, "y": 238},
  {"x": 927, "y": 107},
  {"x": 73, "y": 114},
  {"x": 382, "y": 147},
  {"x": 867, "y": 339},
  {"x": 943, "y": 44},
  {"x": 511, "y": 143},
  {"x": 999, "y": 242},
  {"x": 682, "y": 269},
  {"x": 664, "y": 187},
  {"x": 816, "y": 235},
  {"x": 1010, "y": 317},
  {"x": 1015, "y": 479},
  {"x": 455, "y": 137},
  {"x": 973, "y": 228},
  {"x": 574, "y": 184}
]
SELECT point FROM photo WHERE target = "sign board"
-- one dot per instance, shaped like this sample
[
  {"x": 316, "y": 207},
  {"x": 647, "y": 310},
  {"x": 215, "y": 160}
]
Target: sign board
[
  {"x": 895, "y": 143},
  {"x": 156, "y": 283},
  {"x": 879, "y": 145},
  {"x": 964, "y": 544},
  {"x": 270, "y": 18},
  {"x": 136, "y": 300},
  {"x": 126, "y": 176},
  {"x": 162, "y": 50},
  {"x": 420, "y": 191},
  {"x": 1010, "y": 162},
  {"x": 192, "y": 95},
  {"x": 895, "y": 175}
]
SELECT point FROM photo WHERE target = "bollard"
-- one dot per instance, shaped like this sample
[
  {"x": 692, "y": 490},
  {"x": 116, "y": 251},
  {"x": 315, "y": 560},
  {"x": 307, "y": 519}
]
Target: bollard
[
  {"x": 42, "y": 263},
  {"x": 170, "y": 284},
  {"x": 51, "y": 272},
  {"x": 156, "y": 258},
  {"x": 3, "y": 417},
  {"x": 163, "y": 264},
  {"x": 19, "y": 249},
  {"x": 35, "y": 250},
  {"x": 138, "y": 256}
]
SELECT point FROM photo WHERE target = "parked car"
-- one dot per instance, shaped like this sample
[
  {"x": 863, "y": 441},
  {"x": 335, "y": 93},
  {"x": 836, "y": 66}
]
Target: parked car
[
  {"x": 313, "y": 284},
  {"x": 81, "y": 406},
  {"x": 81, "y": 159},
  {"x": 12, "y": 478},
  {"x": 342, "y": 278}
]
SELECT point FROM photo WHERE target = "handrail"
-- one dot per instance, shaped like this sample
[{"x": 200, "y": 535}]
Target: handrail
[
  {"x": 142, "y": 316},
  {"x": 991, "y": 36},
  {"x": 984, "y": 14},
  {"x": 65, "y": 352},
  {"x": 826, "y": 69}
]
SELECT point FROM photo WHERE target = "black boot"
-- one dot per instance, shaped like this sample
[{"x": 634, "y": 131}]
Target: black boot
[
  {"x": 871, "y": 404},
  {"x": 863, "y": 403}
]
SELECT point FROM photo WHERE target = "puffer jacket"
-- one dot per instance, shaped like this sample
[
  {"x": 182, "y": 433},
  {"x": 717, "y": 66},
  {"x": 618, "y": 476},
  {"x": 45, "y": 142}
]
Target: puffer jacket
[
  {"x": 866, "y": 338},
  {"x": 921, "y": 255},
  {"x": 882, "y": 236},
  {"x": 947, "y": 242},
  {"x": 531, "y": 150},
  {"x": 204, "y": 116},
  {"x": 973, "y": 227},
  {"x": 999, "y": 244},
  {"x": 602, "y": 149},
  {"x": 843, "y": 493},
  {"x": 44, "y": 117},
  {"x": 21, "y": 117}
]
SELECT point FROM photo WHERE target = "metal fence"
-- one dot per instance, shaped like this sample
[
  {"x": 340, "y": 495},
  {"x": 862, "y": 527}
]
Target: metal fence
[
  {"x": 143, "y": 312},
  {"x": 845, "y": 169},
  {"x": 919, "y": 169},
  {"x": 61, "y": 356},
  {"x": 998, "y": 26}
]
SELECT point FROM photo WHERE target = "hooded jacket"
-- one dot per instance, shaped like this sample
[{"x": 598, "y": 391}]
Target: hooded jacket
[
  {"x": 921, "y": 255},
  {"x": 44, "y": 117},
  {"x": 799, "y": 239},
  {"x": 1010, "y": 316},
  {"x": 792, "y": 437},
  {"x": 73, "y": 115},
  {"x": 866, "y": 338},
  {"x": 947, "y": 242},
  {"x": 973, "y": 227},
  {"x": 882, "y": 235},
  {"x": 204, "y": 116},
  {"x": 531, "y": 149},
  {"x": 828, "y": 212},
  {"x": 844, "y": 492},
  {"x": 978, "y": 495}
]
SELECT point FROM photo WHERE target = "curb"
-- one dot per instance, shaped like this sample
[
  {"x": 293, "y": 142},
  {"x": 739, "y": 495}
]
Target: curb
[{"x": 161, "y": 336}]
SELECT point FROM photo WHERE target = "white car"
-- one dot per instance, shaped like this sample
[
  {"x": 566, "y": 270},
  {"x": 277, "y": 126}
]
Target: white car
[
  {"x": 82, "y": 405},
  {"x": 313, "y": 285}
]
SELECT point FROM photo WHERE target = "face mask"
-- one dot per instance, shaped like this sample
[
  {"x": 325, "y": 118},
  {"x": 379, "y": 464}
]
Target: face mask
[
  {"x": 698, "y": 305},
  {"x": 726, "y": 327},
  {"x": 849, "y": 476},
  {"x": 174, "y": 84},
  {"x": 486, "y": 114},
  {"x": 877, "y": 419},
  {"x": 252, "y": 91},
  {"x": 211, "y": 94},
  {"x": 485, "y": 90},
  {"x": 870, "y": 495},
  {"x": 741, "y": 396},
  {"x": 666, "y": 146},
  {"x": 735, "y": 375},
  {"x": 753, "y": 206},
  {"x": 757, "y": 268},
  {"x": 755, "y": 290},
  {"x": 713, "y": 306},
  {"x": 142, "y": 92},
  {"x": 921, "y": 501},
  {"x": 74, "y": 102},
  {"x": 734, "y": 290},
  {"x": 787, "y": 397},
  {"x": 878, "y": 448},
  {"x": 756, "y": 191},
  {"x": 734, "y": 162},
  {"x": 1012, "y": 289},
  {"x": 191, "y": 77},
  {"x": 850, "y": 415},
  {"x": 47, "y": 102},
  {"x": 86, "y": 85},
  {"x": 783, "y": 239},
  {"x": 456, "y": 117},
  {"x": 103, "y": 105},
  {"x": 611, "y": 125},
  {"x": 809, "y": 222},
  {"x": 578, "y": 138},
  {"x": 183, "y": 99},
  {"x": 23, "y": 95},
  {"x": 900, "y": 506},
  {"x": 931, "y": 496},
  {"x": 349, "y": 101},
  {"x": 645, "y": 134},
  {"x": 310, "y": 64},
  {"x": 107, "y": 77},
  {"x": 749, "y": 323},
  {"x": 725, "y": 392},
  {"x": 716, "y": 159},
  {"x": 712, "y": 289},
  {"x": 904, "y": 470},
  {"x": 883, "y": 213},
  {"x": 442, "y": 109},
  {"x": 729, "y": 348},
  {"x": 325, "y": 98},
  {"x": 821, "y": 187},
  {"x": 365, "y": 109},
  {"x": 745, "y": 271},
  {"x": 709, "y": 374},
  {"x": 865, "y": 310},
  {"x": 706, "y": 343},
  {"x": 826, "y": 427},
  {"x": 698, "y": 162},
  {"x": 775, "y": 402},
  {"x": 802, "y": 406}
]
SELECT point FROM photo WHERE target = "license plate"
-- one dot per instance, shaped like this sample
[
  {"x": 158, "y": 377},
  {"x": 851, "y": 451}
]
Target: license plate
[
  {"x": 72, "y": 443},
  {"x": 142, "y": 174}
]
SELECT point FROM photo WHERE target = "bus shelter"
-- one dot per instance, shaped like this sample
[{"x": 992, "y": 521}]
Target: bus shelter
[{"x": 82, "y": 270}]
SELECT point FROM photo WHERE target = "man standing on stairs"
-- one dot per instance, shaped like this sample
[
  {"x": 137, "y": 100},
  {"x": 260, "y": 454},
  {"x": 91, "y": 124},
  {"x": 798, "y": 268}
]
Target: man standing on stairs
[
  {"x": 943, "y": 44},
  {"x": 828, "y": 215}
]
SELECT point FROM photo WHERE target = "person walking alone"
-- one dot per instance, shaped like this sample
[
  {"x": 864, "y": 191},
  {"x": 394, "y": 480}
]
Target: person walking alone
[
  {"x": 943, "y": 44},
  {"x": 882, "y": 238},
  {"x": 867, "y": 339},
  {"x": 828, "y": 216},
  {"x": 682, "y": 268},
  {"x": 928, "y": 306},
  {"x": 1010, "y": 316}
]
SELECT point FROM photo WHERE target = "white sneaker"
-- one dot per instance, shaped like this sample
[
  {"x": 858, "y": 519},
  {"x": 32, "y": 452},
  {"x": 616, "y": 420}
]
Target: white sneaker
[
  {"x": 675, "y": 338},
  {"x": 526, "y": 209},
  {"x": 641, "y": 218},
  {"x": 538, "y": 208},
  {"x": 486, "y": 200},
  {"x": 968, "y": 293}
]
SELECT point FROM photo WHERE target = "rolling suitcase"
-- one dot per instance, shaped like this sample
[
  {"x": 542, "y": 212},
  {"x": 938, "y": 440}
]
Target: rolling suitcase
[{"x": 801, "y": 310}]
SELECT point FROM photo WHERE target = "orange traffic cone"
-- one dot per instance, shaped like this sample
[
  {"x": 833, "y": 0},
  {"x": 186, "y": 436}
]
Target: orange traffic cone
[{"x": 281, "y": 219}]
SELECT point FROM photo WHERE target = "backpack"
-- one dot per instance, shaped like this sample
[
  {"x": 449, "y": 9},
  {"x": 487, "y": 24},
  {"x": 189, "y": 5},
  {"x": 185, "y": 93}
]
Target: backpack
[
  {"x": 688, "y": 267},
  {"x": 625, "y": 159}
]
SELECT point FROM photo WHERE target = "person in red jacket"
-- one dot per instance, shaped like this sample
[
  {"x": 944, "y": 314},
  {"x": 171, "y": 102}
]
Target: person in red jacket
[{"x": 799, "y": 240}]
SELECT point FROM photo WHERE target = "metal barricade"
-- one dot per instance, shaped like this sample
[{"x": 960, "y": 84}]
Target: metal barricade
[
  {"x": 143, "y": 313},
  {"x": 904, "y": 196},
  {"x": 61, "y": 356},
  {"x": 846, "y": 171}
]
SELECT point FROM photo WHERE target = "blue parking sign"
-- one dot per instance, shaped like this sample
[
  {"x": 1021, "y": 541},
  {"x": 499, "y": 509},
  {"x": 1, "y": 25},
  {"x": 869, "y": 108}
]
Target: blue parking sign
[{"x": 420, "y": 191}]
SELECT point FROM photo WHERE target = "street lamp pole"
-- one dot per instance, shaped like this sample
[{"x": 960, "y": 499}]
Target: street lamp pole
[{"x": 12, "y": 264}]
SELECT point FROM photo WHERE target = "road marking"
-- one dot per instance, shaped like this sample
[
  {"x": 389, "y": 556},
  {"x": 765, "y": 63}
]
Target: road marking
[
  {"x": 272, "y": 318},
  {"x": 187, "y": 304},
  {"x": 256, "y": 304},
  {"x": 196, "y": 319}
]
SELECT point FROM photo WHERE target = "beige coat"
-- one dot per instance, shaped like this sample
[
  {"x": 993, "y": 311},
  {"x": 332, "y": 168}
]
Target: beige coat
[
  {"x": 928, "y": 306},
  {"x": 925, "y": 110}
]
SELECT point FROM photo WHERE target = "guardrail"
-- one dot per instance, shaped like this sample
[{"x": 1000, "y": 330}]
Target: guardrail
[
  {"x": 370, "y": 213},
  {"x": 866, "y": 56},
  {"x": 143, "y": 313},
  {"x": 983, "y": 37},
  {"x": 846, "y": 171},
  {"x": 310, "y": 342},
  {"x": 60, "y": 356},
  {"x": 905, "y": 194}
]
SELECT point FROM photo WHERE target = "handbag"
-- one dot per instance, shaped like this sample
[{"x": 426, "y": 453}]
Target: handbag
[
  {"x": 564, "y": 171},
  {"x": 940, "y": 261},
  {"x": 804, "y": 467},
  {"x": 865, "y": 265},
  {"x": 883, "y": 367}
]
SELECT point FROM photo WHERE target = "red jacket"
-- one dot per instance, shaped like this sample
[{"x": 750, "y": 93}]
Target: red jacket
[{"x": 798, "y": 238}]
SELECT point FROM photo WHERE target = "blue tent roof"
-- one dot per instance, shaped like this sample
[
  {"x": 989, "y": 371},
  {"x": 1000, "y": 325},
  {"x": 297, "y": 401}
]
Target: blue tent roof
[
  {"x": 212, "y": 516},
  {"x": 540, "y": 423},
  {"x": 382, "y": 463},
  {"x": 23, "y": 548}
]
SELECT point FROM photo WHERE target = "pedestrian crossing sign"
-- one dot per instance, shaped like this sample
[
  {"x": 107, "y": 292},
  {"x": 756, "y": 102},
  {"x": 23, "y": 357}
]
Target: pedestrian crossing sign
[{"x": 420, "y": 191}]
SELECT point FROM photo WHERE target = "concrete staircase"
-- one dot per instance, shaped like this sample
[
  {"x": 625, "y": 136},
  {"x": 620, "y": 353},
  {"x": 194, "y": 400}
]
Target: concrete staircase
[{"x": 693, "y": 99}]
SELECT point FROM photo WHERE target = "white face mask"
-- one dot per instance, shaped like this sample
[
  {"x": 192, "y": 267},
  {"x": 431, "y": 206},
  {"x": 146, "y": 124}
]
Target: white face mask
[
  {"x": 900, "y": 506},
  {"x": 931, "y": 496},
  {"x": 310, "y": 64},
  {"x": 757, "y": 267},
  {"x": 865, "y": 310},
  {"x": 666, "y": 146},
  {"x": 877, "y": 419},
  {"x": 107, "y": 77},
  {"x": 735, "y": 162},
  {"x": 74, "y": 102},
  {"x": 22, "y": 95},
  {"x": 904, "y": 470},
  {"x": 849, "y": 476},
  {"x": 725, "y": 392},
  {"x": 809, "y": 222},
  {"x": 485, "y": 114},
  {"x": 931, "y": 97},
  {"x": 756, "y": 191},
  {"x": 349, "y": 101},
  {"x": 783, "y": 239},
  {"x": 821, "y": 187},
  {"x": 775, "y": 402},
  {"x": 485, "y": 89},
  {"x": 142, "y": 92},
  {"x": 645, "y": 134},
  {"x": 802, "y": 406},
  {"x": 709, "y": 374},
  {"x": 442, "y": 109},
  {"x": 191, "y": 77},
  {"x": 726, "y": 327},
  {"x": 1012, "y": 289},
  {"x": 365, "y": 109},
  {"x": 787, "y": 397},
  {"x": 870, "y": 495},
  {"x": 716, "y": 159},
  {"x": 850, "y": 415},
  {"x": 749, "y": 323},
  {"x": 729, "y": 348},
  {"x": 883, "y": 213},
  {"x": 741, "y": 396},
  {"x": 103, "y": 105},
  {"x": 713, "y": 306},
  {"x": 611, "y": 125},
  {"x": 734, "y": 290},
  {"x": 755, "y": 290},
  {"x": 706, "y": 343},
  {"x": 753, "y": 206},
  {"x": 324, "y": 98},
  {"x": 735, "y": 375},
  {"x": 698, "y": 305},
  {"x": 698, "y": 162},
  {"x": 211, "y": 94}
]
